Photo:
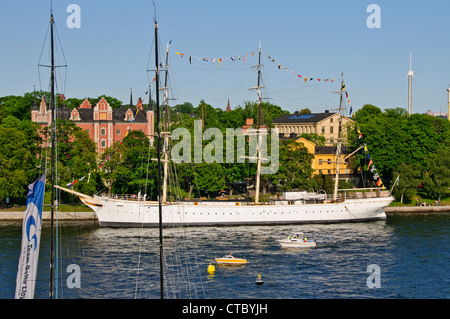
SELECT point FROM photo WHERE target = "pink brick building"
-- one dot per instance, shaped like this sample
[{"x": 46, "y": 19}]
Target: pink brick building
[{"x": 104, "y": 124}]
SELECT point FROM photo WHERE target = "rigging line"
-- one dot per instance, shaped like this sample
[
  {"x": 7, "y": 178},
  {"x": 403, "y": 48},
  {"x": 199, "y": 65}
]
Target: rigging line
[
  {"x": 148, "y": 61},
  {"x": 148, "y": 162},
  {"x": 43, "y": 45},
  {"x": 195, "y": 180},
  {"x": 64, "y": 59},
  {"x": 195, "y": 268},
  {"x": 173, "y": 177},
  {"x": 206, "y": 68},
  {"x": 235, "y": 87},
  {"x": 139, "y": 261},
  {"x": 202, "y": 76}
]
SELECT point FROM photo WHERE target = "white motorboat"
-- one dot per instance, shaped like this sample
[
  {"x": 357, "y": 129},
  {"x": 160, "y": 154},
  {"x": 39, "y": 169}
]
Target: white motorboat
[{"x": 297, "y": 240}]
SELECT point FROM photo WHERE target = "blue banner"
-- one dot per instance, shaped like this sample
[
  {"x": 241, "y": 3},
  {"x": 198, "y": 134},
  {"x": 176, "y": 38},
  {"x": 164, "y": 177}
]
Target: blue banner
[{"x": 31, "y": 236}]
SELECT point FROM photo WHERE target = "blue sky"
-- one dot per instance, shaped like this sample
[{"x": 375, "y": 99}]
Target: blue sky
[{"x": 110, "y": 53}]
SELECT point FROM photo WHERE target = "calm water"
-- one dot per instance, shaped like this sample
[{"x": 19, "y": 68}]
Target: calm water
[{"x": 411, "y": 251}]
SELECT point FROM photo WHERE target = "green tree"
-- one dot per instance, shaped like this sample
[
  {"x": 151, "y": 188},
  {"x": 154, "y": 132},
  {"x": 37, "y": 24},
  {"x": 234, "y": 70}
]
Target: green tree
[
  {"x": 319, "y": 140},
  {"x": 83, "y": 162},
  {"x": 268, "y": 112},
  {"x": 437, "y": 174},
  {"x": 394, "y": 138},
  {"x": 113, "y": 102},
  {"x": 186, "y": 107},
  {"x": 323, "y": 182},
  {"x": 73, "y": 102},
  {"x": 208, "y": 178},
  {"x": 17, "y": 165},
  {"x": 295, "y": 166},
  {"x": 409, "y": 180},
  {"x": 125, "y": 165}
]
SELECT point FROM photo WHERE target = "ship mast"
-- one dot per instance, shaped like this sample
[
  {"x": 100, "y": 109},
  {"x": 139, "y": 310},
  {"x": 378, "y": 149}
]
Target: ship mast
[
  {"x": 53, "y": 141},
  {"x": 166, "y": 132},
  {"x": 158, "y": 133},
  {"x": 258, "y": 129},
  {"x": 339, "y": 143}
]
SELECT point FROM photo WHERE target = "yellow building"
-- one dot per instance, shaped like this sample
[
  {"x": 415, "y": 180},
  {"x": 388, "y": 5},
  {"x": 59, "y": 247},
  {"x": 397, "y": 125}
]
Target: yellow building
[
  {"x": 324, "y": 124},
  {"x": 324, "y": 161}
]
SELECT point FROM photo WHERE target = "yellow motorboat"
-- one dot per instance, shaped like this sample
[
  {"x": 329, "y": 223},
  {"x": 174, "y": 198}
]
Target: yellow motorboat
[{"x": 230, "y": 260}]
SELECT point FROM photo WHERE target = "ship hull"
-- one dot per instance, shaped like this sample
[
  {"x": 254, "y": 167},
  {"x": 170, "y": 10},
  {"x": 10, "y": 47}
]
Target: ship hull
[{"x": 127, "y": 213}]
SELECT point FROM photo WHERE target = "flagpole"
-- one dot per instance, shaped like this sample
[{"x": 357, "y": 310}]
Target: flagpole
[{"x": 396, "y": 181}]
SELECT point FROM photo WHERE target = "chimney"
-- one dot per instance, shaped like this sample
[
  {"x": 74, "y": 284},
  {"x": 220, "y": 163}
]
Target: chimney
[{"x": 131, "y": 98}]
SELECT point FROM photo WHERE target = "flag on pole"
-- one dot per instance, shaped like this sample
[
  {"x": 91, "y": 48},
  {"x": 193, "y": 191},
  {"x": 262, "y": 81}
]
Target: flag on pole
[{"x": 31, "y": 237}]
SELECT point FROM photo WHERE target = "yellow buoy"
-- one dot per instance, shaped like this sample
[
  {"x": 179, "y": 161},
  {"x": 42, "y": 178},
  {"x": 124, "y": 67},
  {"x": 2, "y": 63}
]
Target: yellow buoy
[{"x": 211, "y": 268}]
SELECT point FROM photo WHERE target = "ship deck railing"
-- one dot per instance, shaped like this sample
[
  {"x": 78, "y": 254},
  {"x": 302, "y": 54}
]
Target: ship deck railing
[
  {"x": 343, "y": 194},
  {"x": 132, "y": 197}
]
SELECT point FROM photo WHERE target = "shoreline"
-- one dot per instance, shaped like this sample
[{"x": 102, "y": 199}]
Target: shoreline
[
  {"x": 46, "y": 215},
  {"x": 90, "y": 215},
  {"x": 416, "y": 209}
]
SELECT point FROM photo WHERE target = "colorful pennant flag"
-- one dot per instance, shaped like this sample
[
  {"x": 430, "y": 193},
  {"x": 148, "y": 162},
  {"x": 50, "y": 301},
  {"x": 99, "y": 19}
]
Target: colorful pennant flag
[
  {"x": 241, "y": 57},
  {"x": 372, "y": 169},
  {"x": 305, "y": 78}
]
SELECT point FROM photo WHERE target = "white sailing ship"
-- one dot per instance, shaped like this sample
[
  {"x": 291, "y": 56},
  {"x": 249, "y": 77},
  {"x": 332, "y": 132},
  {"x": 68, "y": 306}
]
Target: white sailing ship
[
  {"x": 138, "y": 212},
  {"x": 291, "y": 208}
]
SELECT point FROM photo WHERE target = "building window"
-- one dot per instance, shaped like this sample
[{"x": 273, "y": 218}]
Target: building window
[
  {"x": 329, "y": 172},
  {"x": 323, "y": 129},
  {"x": 331, "y": 129},
  {"x": 87, "y": 130},
  {"x": 329, "y": 161},
  {"x": 118, "y": 131},
  {"x": 331, "y": 120},
  {"x": 103, "y": 143},
  {"x": 320, "y": 171},
  {"x": 320, "y": 161},
  {"x": 140, "y": 130},
  {"x": 102, "y": 131}
]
